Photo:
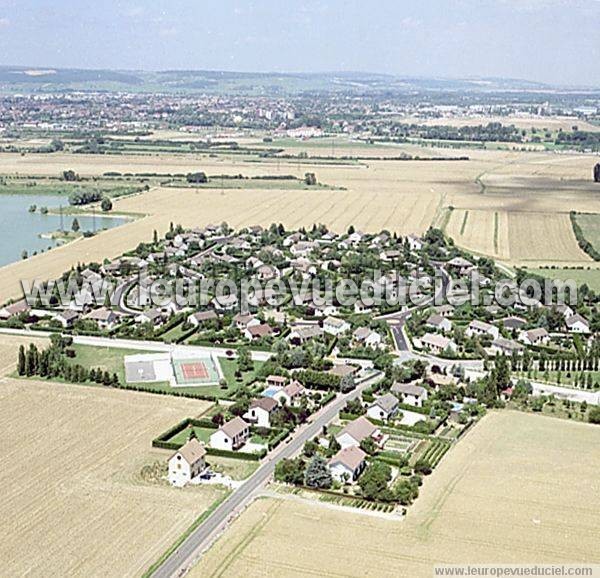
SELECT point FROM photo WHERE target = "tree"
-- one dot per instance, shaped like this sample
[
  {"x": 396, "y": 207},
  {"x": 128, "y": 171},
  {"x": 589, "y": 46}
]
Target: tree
[
  {"x": 423, "y": 467},
  {"x": 290, "y": 471},
  {"x": 317, "y": 474},
  {"x": 310, "y": 448},
  {"x": 594, "y": 415},
  {"x": 75, "y": 225},
  {"x": 374, "y": 480},
  {"x": 106, "y": 204},
  {"x": 310, "y": 179},
  {"x": 192, "y": 435},
  {"x": 199, "y": 177},
  {"x": 70, "y": 175},
  {"x": 21, "y": 361},
  {"x": 368, "y": 446},
  {"x": 406, "y": 491}
]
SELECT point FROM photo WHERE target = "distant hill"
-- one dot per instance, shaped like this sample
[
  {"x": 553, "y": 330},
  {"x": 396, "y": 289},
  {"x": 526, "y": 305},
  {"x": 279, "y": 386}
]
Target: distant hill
[{"x": 14, "y": 79}]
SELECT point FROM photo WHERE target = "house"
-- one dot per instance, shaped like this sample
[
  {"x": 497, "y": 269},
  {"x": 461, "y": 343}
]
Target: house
[
  {"x": 415, "y": 243},
  {"x": 412, "y": 394},
  {"x": 504, "y": 346},
  {"x": 14, "y": 309},
  {"x": 261, "y": 410},
  {"x": 538, "y": 336},
  {"x": 225, "y": 302},
  {"x": 459, "y": 264},
  {"x": 232, "y": 435},
  {"x": 335, "y": 326},
  {"x": 347, "y": 464},
  {"x": 152, "y": 316},
  {"x": 186, "y": 463},
  {"x": 478, "y": 328},
  {"x": 367, "y": 337},
  {"x": 577, "y": 324},
  {"x": 244, "y": 320},
  {"x": 291, "y": 394},
  {"x": 439, "y": 323},
  {"x": 445, "y": 310},
  {"x": 384, "y": 407},
  {"x": 361, "y": 307},
  {"x": 513, "y": 322},
  {"x": 302, "y": 333},
  {"x": 437, "y": 343},
  {"x": 104, "y": 317},
  {"x": 201, "y": 317},
  {"x": 67, "y": 318},
  {"x": 565, "y": 311},
  {"x": 343, "y": 369},
  {"x": 357, "y": 431},
  {"x": 276, "y": 380},
  {"x": 255, "y": 332}
]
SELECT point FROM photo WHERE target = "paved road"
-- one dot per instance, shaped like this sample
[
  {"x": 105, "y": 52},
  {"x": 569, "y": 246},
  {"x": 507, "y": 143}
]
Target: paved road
[
  {"x": 137, "y": 344},
  {"x": 201, "y": 538}
]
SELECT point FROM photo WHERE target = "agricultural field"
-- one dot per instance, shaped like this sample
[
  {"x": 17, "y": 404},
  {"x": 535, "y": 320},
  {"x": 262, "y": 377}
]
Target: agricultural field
[
  {"x": 84, "y": 507},
  {"x": 507, "y": 204},
  {"x": 518, "y": 488},
  {"x": 590, "y": 227},
  {"x": 588, "y": 275}
]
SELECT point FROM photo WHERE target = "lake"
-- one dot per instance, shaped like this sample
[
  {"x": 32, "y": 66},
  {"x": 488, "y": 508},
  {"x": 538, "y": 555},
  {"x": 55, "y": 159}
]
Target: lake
[{"x": 20, "y": 230}]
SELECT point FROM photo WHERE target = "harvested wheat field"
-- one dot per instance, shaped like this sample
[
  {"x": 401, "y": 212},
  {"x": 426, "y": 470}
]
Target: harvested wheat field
[
  {"x": 518, "y": 488},
  {"x": 9, "y": 348},
  {"x": 73, "y": 501},
  {"x": 501, "y": 190}
]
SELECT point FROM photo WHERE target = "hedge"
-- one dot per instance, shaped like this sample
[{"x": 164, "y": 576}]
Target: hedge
[
  {"x": 237, "y": 455},
  {"x": 584, "y": 244}
]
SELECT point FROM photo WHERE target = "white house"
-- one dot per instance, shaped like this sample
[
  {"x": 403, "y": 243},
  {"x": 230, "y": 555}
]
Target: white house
[
  {"x": 13, "y": 309},
  {"x": 384, "y": 407},
  {"x": 367, "y": 337},
  {"x": 347, "y": 464},
  {"x": 104, "y": 317},
  {"x": 67, "y": 317},
  {"x": 478, "y": 328},
  {"x": 504, "y": 346},
  {"x": 439, "y": 323},
  {"x": 437, "y": 343},
  {"x": 577, "y": 324},
  {"x": 412, "y": 394},
  {"x": 201, "y": 317},
  {"x": 358, "y": 430},
  {"x": 231, "y": 435},
  {"x": 186, "y": 463},
  {"x": 261, "y": 410},
  {"x": 538, "y": 336},
  {"x": 291, "y": 394},
  {"x": 335, "y": 325},
  {"x": 152, "y": 316},
  {"x": 415, "y": 243}
]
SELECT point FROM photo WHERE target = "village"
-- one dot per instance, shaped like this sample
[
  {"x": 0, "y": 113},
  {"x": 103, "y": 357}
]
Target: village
[{"x": 412, "y": 373}]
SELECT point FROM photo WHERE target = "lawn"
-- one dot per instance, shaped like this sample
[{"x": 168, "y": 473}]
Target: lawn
[
  {"x": 111, "y": 359},
  {"x": 591, "y": 277},
  {"x": 590, "y": 227},
  {"x": 202, "y": 433}
]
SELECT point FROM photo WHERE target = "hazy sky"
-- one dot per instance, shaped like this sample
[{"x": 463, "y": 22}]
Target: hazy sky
[{"x": 548, "y": 40}]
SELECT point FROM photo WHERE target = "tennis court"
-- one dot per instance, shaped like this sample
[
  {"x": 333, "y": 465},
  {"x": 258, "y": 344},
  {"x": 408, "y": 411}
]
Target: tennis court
[{"x": 197, "y": 371}]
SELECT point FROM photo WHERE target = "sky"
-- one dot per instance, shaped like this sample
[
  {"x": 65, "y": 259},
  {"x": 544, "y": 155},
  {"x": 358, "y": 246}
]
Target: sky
[{"x": 556, "y": 41}]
